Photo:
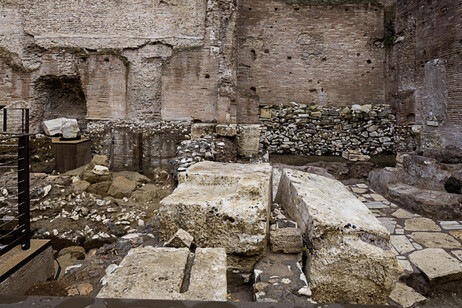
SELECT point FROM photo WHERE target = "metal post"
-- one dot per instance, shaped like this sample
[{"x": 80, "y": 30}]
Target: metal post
[
  {"x": 140, "y": 152},
  {"x": 23, "y": 191},
  {"x": 27, "y": 122},
  {"x": 5, "y": 116}
]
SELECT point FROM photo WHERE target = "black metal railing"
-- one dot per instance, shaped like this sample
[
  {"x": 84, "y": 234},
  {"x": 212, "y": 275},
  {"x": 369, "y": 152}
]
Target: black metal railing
[{"x": 14, "y": 180}]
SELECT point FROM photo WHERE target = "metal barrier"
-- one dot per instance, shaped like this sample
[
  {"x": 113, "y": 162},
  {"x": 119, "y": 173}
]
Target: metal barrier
[{"x": 14, "y": 180}]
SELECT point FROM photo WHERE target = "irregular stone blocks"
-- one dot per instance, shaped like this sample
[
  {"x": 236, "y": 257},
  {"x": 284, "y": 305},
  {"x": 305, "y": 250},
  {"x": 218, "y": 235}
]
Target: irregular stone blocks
[
  {"x": 222, "y": 205},
  {"x": 348, "y": 247}
]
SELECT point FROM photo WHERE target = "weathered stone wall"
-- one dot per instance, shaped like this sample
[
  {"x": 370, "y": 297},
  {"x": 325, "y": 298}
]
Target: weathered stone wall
[
  {"x": 119, "y": 59},
  {"x": 318, "y": 130},
  {"x": 293, "y": 51},
  {"x": 138, "y": 147},
  {"x": 425, "y": 65}
]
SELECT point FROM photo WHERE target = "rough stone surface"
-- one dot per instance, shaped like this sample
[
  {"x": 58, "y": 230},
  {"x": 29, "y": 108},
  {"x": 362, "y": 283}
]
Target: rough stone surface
[
  {"x": 248, "y": 140},
  {"x": 286, "y": 240},
  {"x": 100, "y": 170},
  {"x": 77, "y": 252},
  {"x": 347, "y": 244},
  {"x": 421, "y": 224},
  {"x": 417, "y": 184},
  {"x": 435, "y": 240},
  {"x": 121, "y": 187},
  {"x": 406, "y": 296},
  {"x": 221, "y": 205},
  {"x": 437, "y": 265},
  {"x": 319, "y": 130},
  {"x": 401, "y": 243},
  {"x": 53, "y": 127},
  {"x": 181, "y": 239},
  {"x": 101, "y": 160},
  {"x": 457, "y": 234},
  {"x": 70, "y": 129},
  {"x": 279, "y": 278},
  {"x": 133, "y": 176},
  {"x": 158, "y": 273}
]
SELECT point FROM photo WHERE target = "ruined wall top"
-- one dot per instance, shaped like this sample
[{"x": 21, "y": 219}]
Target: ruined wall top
[{"x": 111, "y": 23}]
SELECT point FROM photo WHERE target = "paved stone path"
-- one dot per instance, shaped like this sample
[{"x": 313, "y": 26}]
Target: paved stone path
[{"x": 431, "y": 246}]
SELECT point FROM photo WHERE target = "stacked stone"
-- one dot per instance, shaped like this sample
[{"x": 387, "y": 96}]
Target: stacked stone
[
  {"x": 322, "y": 130},
  {"x": 190, "y": 152}
]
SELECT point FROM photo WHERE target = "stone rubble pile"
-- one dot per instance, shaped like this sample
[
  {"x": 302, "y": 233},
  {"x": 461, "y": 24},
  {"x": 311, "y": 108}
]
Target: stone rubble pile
[
  {"x": 90, "y": 204},
  {"x": 205, "y": 148},
  {"x": 321, "y": 130}
]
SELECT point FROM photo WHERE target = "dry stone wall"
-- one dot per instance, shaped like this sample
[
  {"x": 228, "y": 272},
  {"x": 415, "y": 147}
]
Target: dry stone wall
[{"x": 318, "y": 130}]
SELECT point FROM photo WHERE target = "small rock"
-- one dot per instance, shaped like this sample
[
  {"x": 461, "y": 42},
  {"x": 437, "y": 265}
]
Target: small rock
[
  {"x": 406, "y": 296},
  {"x": 100, "y": 170},
  {"x": 46, "y": 190},
  {"x": 76, "y": 252},
  {"x": 84, "y": 289},
  {"x": 180, "y": 239},
  {"x": 121, "y": 188},
  {"x": 286, "y": 240},
  {"x": 70, "y": 129}
]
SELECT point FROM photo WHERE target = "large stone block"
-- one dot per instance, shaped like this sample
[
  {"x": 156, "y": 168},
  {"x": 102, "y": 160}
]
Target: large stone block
[
  {"x": 248, "y": 139},
  {"x": 348, "y": 247},
  {"x": 221, "y": 205},
  {"x": 163, "y": 273}
]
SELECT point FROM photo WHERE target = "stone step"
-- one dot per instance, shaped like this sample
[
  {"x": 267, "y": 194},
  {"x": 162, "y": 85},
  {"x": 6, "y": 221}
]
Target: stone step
[
  {"x": 164, "y": 274},
  {"x": 347, "y": 246}
]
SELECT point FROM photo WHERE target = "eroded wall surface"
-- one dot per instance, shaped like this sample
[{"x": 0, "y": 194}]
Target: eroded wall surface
[
  {"x": 426, "y": 63},
  {"x": 119, "y": 59},
  {"x": 325, "y": 55}
]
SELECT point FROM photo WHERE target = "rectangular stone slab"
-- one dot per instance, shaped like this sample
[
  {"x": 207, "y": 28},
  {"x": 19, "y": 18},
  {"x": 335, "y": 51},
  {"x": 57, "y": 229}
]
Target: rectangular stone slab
[
  {"x": 347, "y": 246},
  {"x": 160, "y": 273},
  {"x": 320, "y": 205},
  {"x": 437, "y": 265},
  {"x": 221, "y": 205}
]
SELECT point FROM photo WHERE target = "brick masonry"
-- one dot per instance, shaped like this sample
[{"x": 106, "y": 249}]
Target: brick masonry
[
  {"x": 425, "y": 79},
  {"x": 219, "y": 61},
  {"x": 327, "y": 55}
]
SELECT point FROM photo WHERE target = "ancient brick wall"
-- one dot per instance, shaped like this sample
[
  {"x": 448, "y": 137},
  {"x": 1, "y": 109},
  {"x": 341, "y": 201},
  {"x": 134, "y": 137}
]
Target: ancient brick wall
[
  {"x": 104, "y": 81},
  {"x": 140, "y": 60},
  {"x": 327, "y": 55},
  {"x": 426, "y": 64}
]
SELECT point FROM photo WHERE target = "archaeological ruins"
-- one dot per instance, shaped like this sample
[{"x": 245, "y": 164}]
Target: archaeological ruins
[{"x": 305, "y": 152}]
